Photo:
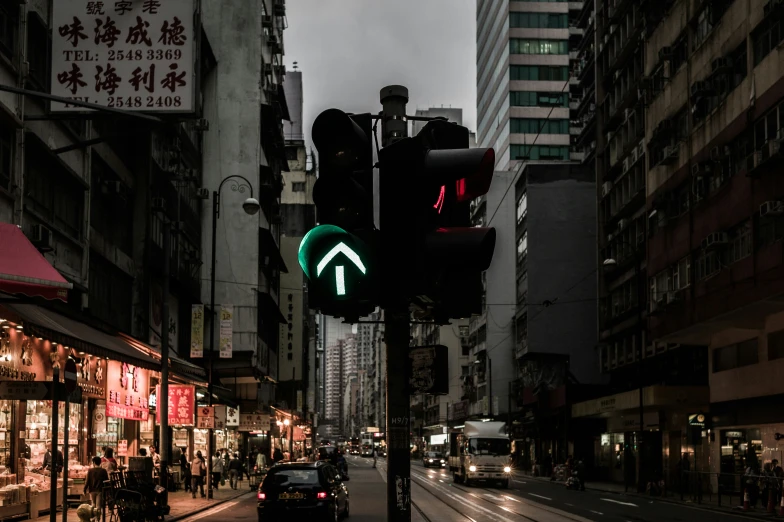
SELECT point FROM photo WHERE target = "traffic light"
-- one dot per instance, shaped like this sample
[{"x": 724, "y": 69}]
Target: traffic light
[
  {"x": 430, "y": 253},
  {"x": 338, "y": 256}
]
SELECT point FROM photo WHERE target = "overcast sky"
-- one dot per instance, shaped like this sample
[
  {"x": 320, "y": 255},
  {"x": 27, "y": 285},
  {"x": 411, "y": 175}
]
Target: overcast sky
[{"x": 348, "y": 50}]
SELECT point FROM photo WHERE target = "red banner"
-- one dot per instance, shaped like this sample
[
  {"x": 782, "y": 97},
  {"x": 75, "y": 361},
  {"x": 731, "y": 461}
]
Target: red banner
[{"x": 182, "y": 405}]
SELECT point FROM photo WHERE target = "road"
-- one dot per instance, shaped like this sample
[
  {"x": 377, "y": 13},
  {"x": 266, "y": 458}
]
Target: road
[{"x": 437, "y": 499}]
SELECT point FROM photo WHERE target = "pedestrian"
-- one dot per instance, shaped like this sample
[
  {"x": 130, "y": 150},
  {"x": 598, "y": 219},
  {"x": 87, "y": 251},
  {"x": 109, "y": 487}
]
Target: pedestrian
[
  {"x": 198, "y": 473},
  {"x": 261, "y": 462},
  {"x": 156, "y": 458},
  {"x": 217, "y": 470},
  {"x": 277, "y": 455},
  {"x": 93, "y": 484},
  {"x": 108, "y": 462},
  {"x": 235, "y": 471},
  {"x": 53, "y": 462},
  {"x": 142, "y": 452},
  {"x": 186, "y": 470}
]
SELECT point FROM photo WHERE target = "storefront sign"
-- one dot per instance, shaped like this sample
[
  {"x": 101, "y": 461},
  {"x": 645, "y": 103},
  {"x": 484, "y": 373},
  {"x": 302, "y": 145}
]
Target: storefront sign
[
  {"x": 99, "y": 417},
  {"x": 135, "y": 55},
  {"x": 9, "y": 372},
  {"x": 254, "y": 422},
  {"x": 631, "y": 422},
  {"x": 459, "y": 410},
  {"x": 182, "y": 405},
  {"x": 23, "y": 391},
  {"x": 122, "y": 448},
  {"x": 126, "y": 391},
  {"x": 197, "y": 331},
  {"x": 232, "y": 417},
  {"x": 220, "y": 417},
  {"x": 226, "y": 331},
  {"x": 205, "y": 418}
]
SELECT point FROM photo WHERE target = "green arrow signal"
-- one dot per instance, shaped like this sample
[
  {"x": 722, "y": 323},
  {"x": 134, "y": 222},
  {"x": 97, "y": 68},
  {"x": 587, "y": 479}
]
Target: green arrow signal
[{"x": 337, "y": 249}]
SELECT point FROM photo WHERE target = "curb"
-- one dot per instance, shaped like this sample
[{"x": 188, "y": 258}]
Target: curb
[
  {"x": 205, "y": 508},
  {"x": 692, "y": 505}
]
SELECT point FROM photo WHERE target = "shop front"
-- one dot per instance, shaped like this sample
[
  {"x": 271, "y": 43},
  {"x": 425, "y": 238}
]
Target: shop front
[{"x": 128, "y": 426}]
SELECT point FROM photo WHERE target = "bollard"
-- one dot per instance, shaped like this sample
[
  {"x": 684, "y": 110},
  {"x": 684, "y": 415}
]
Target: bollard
[
  {"x": 86, "y": 512},
  {"x": 745, "y": 499}
]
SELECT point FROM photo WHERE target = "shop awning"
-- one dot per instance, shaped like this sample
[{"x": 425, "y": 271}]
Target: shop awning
[
  {"x": 23, "y": 270},
  {"x": 175, "y": 363},
  {"x": 59, "y": 329}
]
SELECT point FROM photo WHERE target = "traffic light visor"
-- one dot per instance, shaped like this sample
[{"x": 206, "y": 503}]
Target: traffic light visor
[
  {"x": 341, "y": 143},
  {"x": 470, "y": 169}
]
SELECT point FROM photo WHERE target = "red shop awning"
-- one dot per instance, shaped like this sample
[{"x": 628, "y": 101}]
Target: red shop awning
[{"x": 24, "y": 270}]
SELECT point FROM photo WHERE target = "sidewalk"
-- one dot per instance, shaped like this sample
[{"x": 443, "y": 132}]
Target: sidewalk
[
  {"x": 181, "y": 503},
  {"x": 708, "y": 502}
]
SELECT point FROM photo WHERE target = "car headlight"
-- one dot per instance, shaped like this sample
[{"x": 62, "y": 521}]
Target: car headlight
[
  {"x": 431, "y": 460},
  {"x": 442, "y": 461},
  {"x": 507, "y": 469},
  {"x": 472, "y": 468}
]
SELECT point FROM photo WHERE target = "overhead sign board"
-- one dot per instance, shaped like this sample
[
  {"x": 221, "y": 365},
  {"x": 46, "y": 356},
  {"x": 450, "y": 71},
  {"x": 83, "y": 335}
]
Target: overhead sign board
[
  {"x": 429, "y": 370},
  {"x": 131, "y": 54},
  {"x": 37, "y": 391}
]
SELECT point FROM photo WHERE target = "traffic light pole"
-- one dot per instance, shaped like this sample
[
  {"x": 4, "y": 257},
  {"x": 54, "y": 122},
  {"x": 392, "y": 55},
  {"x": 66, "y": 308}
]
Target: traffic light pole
[{"x": 397, "y": 333}]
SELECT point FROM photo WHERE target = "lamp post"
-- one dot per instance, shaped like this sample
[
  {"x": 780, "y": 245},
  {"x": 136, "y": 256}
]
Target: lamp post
[
  {"x": 251, "y": 207},
  {"x": 608, "y": 264},
  {"x": 489, "y": 384}
]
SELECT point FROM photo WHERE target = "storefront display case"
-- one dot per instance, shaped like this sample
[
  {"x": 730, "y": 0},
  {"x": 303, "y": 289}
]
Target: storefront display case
[
  {"x": 38, "y": 432},
  {"x": 200, "y": 441}
]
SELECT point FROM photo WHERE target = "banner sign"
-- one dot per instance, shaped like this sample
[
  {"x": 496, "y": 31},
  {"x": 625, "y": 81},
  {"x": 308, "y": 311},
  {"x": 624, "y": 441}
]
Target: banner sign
[
  {"x": 220, "y": 417},
  {"x": 182, "y": 405},
  {"x": 226, "y": 333},
  {"x": 299, "y": 400},
  {"x": 232, "y": 417},
  {"x": 132, "y": 54},
  {"x": 197, "y": 331},
  {"x": 254, "y": 422},
  {"x": 205, "y": 418}
]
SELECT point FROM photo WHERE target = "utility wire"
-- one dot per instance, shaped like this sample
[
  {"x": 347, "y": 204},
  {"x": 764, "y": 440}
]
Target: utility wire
[{"x": 530, "y": 147}]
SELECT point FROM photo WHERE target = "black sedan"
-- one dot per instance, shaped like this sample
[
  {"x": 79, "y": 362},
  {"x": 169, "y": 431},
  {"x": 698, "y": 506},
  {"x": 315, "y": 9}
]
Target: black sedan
[
  {"x": 313, "y": 490},
  {"x": 433, "y": 459}
]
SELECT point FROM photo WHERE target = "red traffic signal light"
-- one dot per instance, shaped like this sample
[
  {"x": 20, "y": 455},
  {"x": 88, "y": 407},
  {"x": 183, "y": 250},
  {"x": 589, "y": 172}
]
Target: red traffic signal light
[{"x": 471, "y": 170}]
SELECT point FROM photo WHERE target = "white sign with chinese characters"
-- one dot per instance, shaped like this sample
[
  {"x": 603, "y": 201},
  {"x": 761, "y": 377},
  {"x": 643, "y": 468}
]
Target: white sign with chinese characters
[
  {"x": 226, "y": 330},
  {"x": 136, "y": 55}
]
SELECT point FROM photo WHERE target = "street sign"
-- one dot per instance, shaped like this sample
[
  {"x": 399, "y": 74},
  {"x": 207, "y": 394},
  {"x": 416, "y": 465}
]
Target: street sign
[
  {"x": 205, "y": 417},
  {"x": 69, "y": 376},
  {"x": 23, "y": 390}
]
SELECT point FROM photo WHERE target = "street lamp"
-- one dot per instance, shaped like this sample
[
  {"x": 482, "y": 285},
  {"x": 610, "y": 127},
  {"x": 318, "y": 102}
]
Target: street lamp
[
  {"x": 251, "y": 207},
  {"x": 610, "y": 264},
  {"x": 489, "y": 381}
]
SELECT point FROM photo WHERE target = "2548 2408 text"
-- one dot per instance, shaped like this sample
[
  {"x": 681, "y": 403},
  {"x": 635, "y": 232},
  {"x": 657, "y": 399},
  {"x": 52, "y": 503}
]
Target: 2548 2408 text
[{"x": 145, "y": 101}]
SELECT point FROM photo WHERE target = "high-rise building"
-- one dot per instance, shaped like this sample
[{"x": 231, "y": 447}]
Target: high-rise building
[{"x": 523, "y": 56}]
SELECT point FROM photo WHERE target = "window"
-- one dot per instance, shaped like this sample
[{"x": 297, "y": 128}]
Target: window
[
  {"x": 539, "y": 73},
  {"x": 535, "y": 46},
  {"x": 539, "y": 126},
  {"x": 522, "y": 246},
  {"x": 680, "y": 53},
  {"x": 735, "y": 356},
  {"x": 771, "y": 229},
  {"x": 111, "y": 293},
  {"x": 708, "y": 264},
  {"x": 522, "y": 288},
  {"x": 38, "y": 45},
  {"x": 522, "y": 207},
  {"x": 538, "y": 99},
  {"x": 740, "y": 242},
  {"x": 539, "y": 152},
  {"x": 776, "y": 345},
  {"x": 538, "y": 20},
  {"x": 6, "y": 155},
  {"x": 766, "y": 36},
  {"x": 298, "y": 186},
  {"x": 9, "y": 13},
  {"x": 291, "y": 153}
]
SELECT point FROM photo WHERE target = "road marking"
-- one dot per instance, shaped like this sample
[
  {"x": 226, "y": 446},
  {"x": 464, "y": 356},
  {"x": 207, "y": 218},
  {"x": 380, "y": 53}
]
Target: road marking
[
  {"x": 539, "y": 496},
  {"x": 213, "y": 511},
  {"x": 570, "y": 505},
  {"x": 597, "y": 512},
  {"x": 619, "y": 502},
  {"x": 488, "y": 495},
  {"x": 511, "y": 498}
]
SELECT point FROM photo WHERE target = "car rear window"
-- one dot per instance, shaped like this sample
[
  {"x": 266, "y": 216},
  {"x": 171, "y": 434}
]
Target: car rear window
[
  {"x": 291, "y": 477},
  {"x": 432, "y": 454}
]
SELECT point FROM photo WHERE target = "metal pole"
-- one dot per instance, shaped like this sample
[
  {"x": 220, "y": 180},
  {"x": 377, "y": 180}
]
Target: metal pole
[
  {"x": 55, "y": 429},
  {"x": 163, "y": 400},
  {"x": 215, "y": 209},
  {"x": 397, "y": 331},
  {"x": 66, "y": 429},
  {"x": 490, "y": 386},
  {"x": 509, "y": 413},
  {"x": 640, "y": 296}
]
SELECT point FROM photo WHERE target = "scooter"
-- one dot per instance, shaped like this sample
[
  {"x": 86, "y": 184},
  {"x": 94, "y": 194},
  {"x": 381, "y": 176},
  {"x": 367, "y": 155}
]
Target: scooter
[{"x": 574, "y": 481}]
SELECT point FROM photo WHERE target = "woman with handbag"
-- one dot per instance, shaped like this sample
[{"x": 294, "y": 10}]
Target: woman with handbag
[{"x": 198, "y": 474}]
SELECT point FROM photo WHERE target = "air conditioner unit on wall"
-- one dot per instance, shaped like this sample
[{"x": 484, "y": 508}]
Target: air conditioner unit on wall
[
  {"x": 42, "y": 238},
  {"x": 771, "y": 208},
  {"x": 606, "y": 188},
  {"x": 714, "y": 240}
]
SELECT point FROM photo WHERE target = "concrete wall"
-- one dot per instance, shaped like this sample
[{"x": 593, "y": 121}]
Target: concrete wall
[{"x": 561, "y": 264}]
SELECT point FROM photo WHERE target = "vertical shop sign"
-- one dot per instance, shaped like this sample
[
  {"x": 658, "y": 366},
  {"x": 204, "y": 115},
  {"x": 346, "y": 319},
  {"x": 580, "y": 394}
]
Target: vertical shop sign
[
  {"x": 226, "y": 331},
  {"x": 122, "y": 448},
  {"x": 134, "y": 55},
  {"x": 220, "y": 417},
  {"x": 299, "y": 400},
  {"x": 197, "y": 331},
  {"x": 232, "y": 417},
  {"x": 182, "y": 405},
  {"x": 205, "y": 417},
  {"x": 99, "y": 417}
]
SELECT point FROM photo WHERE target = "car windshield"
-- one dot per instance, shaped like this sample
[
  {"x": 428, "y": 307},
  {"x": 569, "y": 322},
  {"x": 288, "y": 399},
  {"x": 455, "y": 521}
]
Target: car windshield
[
  {"x": 431, "y": 454},
  {"x": 488, "y": 446},
  {"x": 291, "y": 477}
]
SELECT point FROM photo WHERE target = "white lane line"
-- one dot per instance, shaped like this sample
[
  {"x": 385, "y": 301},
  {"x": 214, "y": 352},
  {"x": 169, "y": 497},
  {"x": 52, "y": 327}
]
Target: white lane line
[
  {"x": 570, "y": 505},
  {"x": 619, "y": 502},
  {"x": 539, "y": 496},
  {"x": 213, "y": 511},
  {"x": 597, "y": 512},
  {"x": 511, "y": 498}
]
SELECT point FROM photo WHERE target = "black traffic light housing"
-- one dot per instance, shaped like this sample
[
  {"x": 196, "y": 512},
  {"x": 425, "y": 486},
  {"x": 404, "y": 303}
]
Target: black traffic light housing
[{"x": 431, "y": 256}]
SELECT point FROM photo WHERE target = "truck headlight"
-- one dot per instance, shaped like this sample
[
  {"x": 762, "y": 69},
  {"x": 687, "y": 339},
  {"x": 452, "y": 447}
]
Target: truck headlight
[
  {"x": 507, "y": 469},
  {"x": 471, "y": 468}
]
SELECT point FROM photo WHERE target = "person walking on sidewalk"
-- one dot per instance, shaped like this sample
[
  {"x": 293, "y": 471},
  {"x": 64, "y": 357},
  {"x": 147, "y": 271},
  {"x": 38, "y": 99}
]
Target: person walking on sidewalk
[
  {"x": 186, "y": 470},
  {"x": 217, "y": 470},
  {"x": 235, "y": 471},
  {"x": 198, "y": 474},
  {"x": 93, "y": 485}
]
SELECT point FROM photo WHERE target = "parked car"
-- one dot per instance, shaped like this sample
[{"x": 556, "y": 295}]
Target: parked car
[
  {"x": 432, "y": 459},
  {"x": 312, "y": 489}
]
